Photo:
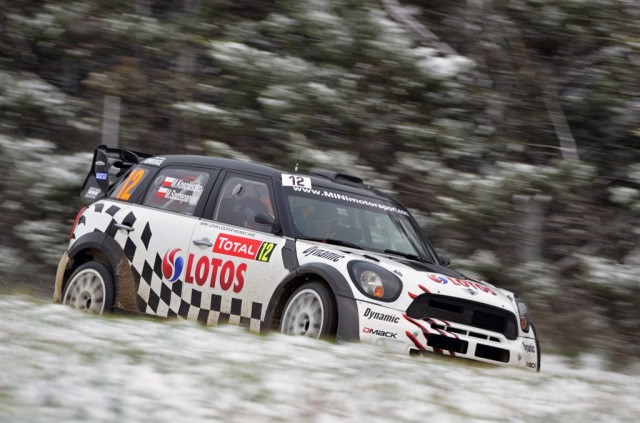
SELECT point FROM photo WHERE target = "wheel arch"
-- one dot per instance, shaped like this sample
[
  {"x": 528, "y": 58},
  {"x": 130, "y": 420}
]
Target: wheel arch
[
  {"x": 339, "y": 288},
  {"x": 97, "y": 246}
]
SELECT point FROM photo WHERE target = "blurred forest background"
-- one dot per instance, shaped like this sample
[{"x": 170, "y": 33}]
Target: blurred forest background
[{"x": 511, "y": 128}]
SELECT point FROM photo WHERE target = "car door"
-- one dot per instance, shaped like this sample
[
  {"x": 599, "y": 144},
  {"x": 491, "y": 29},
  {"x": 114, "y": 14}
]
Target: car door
[
  {"x": 160, "y": 236},
  {"x": 234, "y": 263}
]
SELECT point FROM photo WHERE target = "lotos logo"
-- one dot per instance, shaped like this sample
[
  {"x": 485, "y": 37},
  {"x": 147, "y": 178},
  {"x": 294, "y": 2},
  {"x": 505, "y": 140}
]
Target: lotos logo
[
  {"x": 172, "y": 265},
  {"x": 438, "y": 278},
  {"x": 471, "y": 287}
]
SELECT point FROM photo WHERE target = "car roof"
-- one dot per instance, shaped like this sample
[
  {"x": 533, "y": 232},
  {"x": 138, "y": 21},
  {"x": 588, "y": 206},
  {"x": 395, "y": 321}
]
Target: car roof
[{"x": 260, "y": 169}]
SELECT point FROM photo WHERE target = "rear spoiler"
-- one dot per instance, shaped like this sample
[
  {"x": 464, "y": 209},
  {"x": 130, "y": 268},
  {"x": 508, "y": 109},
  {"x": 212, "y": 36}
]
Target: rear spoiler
[{"x": 108, "y": 165}]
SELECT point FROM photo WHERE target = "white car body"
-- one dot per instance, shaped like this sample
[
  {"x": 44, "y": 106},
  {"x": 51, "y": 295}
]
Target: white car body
[{"x": 184, "y": 265}]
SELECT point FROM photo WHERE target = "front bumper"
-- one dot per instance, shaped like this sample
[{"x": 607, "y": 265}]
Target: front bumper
[{"x": 396, "y": 330}]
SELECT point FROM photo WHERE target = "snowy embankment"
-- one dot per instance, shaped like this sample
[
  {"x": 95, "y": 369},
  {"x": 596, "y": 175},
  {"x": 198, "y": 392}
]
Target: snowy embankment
[{"x": 60, "y": 365}]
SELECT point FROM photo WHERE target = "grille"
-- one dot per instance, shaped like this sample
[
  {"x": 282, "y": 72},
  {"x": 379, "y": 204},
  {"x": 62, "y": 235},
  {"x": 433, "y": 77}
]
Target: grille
[
  {"x": 451, "y": 329},
  {"x": 464, "y": 312},
  {"x": 488, "y": 321}
]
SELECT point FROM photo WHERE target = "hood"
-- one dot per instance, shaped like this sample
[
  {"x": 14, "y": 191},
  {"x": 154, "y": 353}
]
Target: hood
[{"x": 417, "y": 277}]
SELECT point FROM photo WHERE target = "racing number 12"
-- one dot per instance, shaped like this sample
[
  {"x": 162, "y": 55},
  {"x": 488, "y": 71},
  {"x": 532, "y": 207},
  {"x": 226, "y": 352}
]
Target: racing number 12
[
  {"x": 264, "y": 254},
  {"x": 129, "y": 184},
  {"x": 296, "y": 181}
]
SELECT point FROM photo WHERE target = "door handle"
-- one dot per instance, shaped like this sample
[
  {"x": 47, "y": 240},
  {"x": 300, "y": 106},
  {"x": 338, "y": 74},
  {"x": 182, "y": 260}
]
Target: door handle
[
  {"x": 204, "y": 242},
  {"x": 123, "y": 227}
]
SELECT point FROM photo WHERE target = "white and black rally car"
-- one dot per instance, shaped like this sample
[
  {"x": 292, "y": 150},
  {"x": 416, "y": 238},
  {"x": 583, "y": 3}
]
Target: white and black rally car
[{"x": 323, "y": 255}]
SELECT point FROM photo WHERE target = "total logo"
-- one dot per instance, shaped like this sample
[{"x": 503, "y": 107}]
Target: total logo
[
  {"x": 461, "y": 282},
  {"x": 204, "y": 270},
  {"x": 246, "y": 248}
]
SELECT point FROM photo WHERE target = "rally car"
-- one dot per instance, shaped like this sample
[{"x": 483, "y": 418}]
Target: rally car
[{"x": 322, "y": 255}]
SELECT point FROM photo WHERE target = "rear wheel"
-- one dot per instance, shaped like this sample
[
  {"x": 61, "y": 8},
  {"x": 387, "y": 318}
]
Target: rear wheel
[
  {"x": 90, "y": 288},
  {"x": 309, "y": 312}
]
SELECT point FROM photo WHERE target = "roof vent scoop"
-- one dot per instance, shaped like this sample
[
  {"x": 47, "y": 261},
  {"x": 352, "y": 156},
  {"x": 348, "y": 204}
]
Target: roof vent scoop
[{"x": 340, "y": 178}]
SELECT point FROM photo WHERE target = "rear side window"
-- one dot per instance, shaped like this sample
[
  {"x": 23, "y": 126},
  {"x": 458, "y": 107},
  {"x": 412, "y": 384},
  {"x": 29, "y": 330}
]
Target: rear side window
[
  {"x": 177, "y": 190},
  {"x": 131, "y": 185}
]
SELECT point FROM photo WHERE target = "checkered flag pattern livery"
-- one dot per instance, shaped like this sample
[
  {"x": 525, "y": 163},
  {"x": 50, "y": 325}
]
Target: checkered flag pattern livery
[{"x": 178, "y": 299}]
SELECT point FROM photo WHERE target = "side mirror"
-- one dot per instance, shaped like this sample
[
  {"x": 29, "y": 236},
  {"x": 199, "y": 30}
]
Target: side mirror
[
  {"x": 266, "y": 219},
  {"x": 444, "y": 260}
]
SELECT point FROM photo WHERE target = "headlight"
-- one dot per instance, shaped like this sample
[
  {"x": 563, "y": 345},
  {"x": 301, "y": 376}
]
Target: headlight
[
  {"x": 375, "y": 281},
  {"x": 523, "y": 312}
]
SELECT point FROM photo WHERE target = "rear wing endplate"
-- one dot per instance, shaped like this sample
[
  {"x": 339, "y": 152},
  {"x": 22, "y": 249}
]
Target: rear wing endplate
[{"x": 108, "y": 165}]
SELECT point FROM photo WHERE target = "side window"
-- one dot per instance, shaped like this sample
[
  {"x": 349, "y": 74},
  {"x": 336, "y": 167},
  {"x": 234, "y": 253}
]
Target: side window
[
  {"x": 241, "y": 199},
  {"x": 177, "y": 190},
  {"x": 130, "y": 185}
]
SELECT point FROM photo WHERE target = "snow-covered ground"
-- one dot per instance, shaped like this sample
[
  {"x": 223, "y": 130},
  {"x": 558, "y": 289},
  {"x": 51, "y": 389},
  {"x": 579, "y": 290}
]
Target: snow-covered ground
[{"x": 58, "y": 365}]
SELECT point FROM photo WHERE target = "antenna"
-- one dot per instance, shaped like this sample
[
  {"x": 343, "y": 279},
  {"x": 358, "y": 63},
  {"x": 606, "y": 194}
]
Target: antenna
[{"x": 296, "y": 168}]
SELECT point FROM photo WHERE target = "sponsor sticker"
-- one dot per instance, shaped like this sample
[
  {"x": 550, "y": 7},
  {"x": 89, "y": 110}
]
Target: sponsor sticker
[
  {"x": 378, "y": 332},
  {"x": 370, "y": 314},
  {"x": 246, "y": 248},
  {"x": 154, "y": 161},
  {"x": 203, "y": 271},
  {"x": 172, "y": 265},
  {"x": 101, "y": 176},
  {"x": 529, "y": 348},
  {"x": 471, "y": 287},
  {"x": 92, "y": 193},
  {"x": 213, "y": 271},
  {"x": 322, "y": 253},
  {"x": 348, "y": 199}
]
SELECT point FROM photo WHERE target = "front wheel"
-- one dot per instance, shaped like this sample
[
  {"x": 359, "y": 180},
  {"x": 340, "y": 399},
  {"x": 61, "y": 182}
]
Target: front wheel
[
  {"x": 309, "y": 312},
  {"x": 90, "y": 288},
  {"x": 538, "y": 352}
]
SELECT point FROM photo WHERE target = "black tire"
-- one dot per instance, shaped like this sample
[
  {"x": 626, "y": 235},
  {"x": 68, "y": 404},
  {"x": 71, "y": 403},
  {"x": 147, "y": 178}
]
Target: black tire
[
  {"x": 90, "y": 288},
  {"x": 537, "y": 347},
  {"x": 310, "y": 311}
]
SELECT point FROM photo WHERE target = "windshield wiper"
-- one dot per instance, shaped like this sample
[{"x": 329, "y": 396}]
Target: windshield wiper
[
  {"x": 332, "y": 241},
  {"x": 406, "y": 255}
]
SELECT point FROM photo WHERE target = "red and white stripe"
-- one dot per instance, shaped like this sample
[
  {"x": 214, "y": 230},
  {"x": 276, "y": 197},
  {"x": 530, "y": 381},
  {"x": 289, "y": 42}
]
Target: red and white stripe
[{"x": 168, "y": 181}]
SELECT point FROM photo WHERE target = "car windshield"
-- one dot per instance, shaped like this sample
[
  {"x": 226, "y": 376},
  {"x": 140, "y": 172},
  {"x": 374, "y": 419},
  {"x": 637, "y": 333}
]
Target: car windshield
[{"x": 357, "y": 221}]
